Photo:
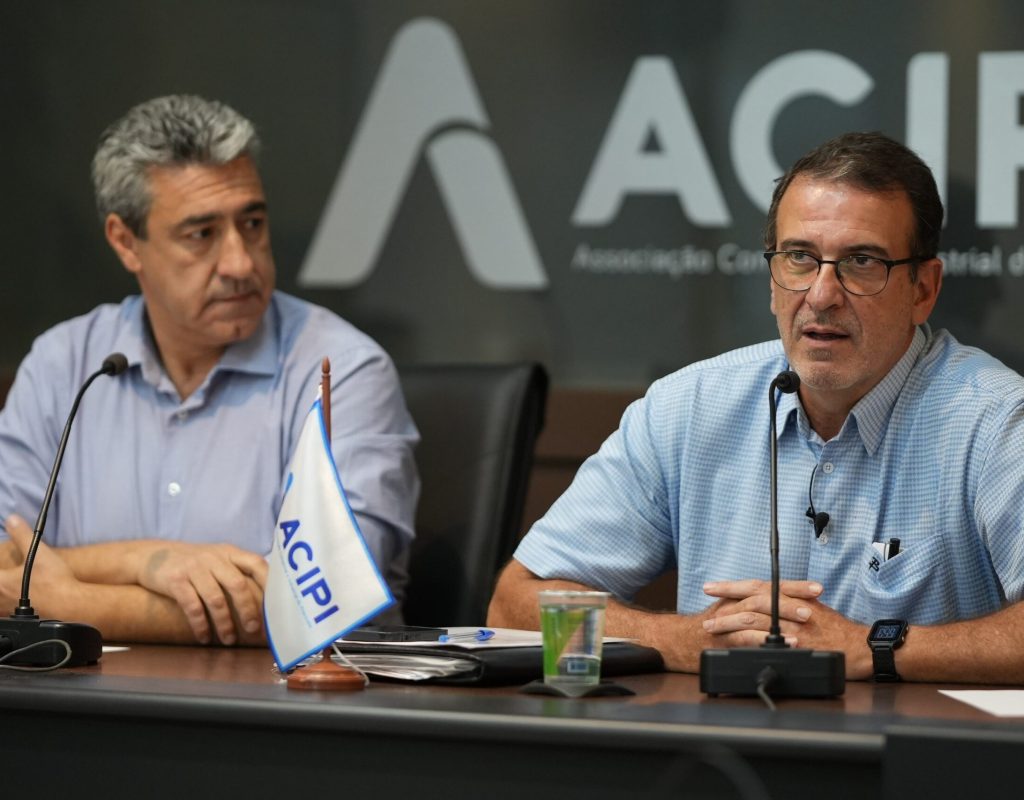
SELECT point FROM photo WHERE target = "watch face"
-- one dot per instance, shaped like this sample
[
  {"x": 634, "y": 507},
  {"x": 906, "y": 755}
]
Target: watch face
[{"x": 887, "y": 631}]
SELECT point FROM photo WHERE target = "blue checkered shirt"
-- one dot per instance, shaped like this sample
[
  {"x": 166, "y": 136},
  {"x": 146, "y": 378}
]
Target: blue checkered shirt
[{"x": 933, "y": 455}]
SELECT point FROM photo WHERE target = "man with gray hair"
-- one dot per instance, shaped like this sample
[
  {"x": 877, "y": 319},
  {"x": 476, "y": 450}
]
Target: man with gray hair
[{"x": 173, "y": 477}]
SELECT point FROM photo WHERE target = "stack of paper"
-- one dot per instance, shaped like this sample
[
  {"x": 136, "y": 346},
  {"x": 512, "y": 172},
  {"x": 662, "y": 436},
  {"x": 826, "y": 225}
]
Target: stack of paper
[
  {"x": 469, "y": 656},
  {"x": 394, "y": 659}
]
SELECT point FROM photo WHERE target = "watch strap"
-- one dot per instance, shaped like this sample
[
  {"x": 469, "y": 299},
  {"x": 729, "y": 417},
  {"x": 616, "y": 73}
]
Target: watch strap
[{"x": 883, "y": 657}]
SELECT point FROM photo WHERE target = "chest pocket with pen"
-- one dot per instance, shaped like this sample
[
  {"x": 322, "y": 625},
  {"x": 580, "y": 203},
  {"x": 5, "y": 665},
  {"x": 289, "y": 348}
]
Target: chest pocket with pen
[
  {"x": 883, "y": 552},
  {"x": 897, "y": 584}
]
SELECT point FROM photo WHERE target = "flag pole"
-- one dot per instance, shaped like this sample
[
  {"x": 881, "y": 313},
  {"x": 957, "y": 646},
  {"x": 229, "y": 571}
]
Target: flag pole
[
  {"x": 327, "y": 675},
  {"x": 325, "y": 393}
]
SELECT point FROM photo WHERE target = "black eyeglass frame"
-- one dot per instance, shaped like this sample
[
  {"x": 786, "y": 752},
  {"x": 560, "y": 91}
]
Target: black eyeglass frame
[{"x": 889, "y": 264}]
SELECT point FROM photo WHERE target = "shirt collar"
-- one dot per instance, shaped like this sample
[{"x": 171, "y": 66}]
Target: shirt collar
[
  {"x": 134, "y": 340},
  {"x": 874, "y": 409},
  {"x": 257, "y": 355},
  {"x": 870, "y": 416}
]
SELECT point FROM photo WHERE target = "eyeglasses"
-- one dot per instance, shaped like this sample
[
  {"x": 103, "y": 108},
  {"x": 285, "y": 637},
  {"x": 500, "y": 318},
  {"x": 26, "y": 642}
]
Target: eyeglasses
[{"x": 858, "y": 274}]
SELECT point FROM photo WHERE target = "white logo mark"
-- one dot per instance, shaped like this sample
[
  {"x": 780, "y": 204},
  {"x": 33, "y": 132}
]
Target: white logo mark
[{"x": 424, "y": 100}]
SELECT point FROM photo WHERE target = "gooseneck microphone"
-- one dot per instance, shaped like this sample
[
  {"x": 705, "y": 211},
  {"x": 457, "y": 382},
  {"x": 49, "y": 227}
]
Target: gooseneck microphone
[
  {"x": 786, "y": 382},
  {"x": 27, "y": 639},
  {"x": 774, "y": 668}
]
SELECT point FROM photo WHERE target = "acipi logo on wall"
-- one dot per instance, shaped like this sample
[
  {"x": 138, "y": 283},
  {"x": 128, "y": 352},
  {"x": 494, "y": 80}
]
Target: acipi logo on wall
[{"x": 426, "y": 103}]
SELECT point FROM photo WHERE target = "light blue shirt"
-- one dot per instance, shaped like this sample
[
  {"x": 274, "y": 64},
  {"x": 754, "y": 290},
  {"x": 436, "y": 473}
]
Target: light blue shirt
[
  {"x": 933, "y": 455},
  {"x": 142, "y": 463}
]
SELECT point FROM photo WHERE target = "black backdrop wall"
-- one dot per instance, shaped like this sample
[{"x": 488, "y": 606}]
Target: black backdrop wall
[{"x": 575, "y": 181}]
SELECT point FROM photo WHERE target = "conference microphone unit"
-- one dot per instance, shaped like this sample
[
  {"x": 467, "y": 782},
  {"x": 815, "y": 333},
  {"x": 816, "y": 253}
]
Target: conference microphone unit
[
  {"x": 25, "y": 639},
  {"x": 774, "y": 669}
]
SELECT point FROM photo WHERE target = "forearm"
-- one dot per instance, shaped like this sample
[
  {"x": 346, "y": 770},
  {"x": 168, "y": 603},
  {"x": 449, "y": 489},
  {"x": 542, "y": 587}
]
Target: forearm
[
  {"x": 124, "y": 614},
  {"x": 120, "y": 613},
  {"x": 114, "y": 563},
  {"x": 679, "y": 638},
  {"x": 218, "y": 587},
  {"x": 985, "y": 650}
]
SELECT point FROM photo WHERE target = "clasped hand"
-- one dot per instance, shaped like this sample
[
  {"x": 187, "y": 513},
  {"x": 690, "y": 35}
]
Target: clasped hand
[
  {"x": 217, "y": 584},
  {"x": 742, "y": 617}
]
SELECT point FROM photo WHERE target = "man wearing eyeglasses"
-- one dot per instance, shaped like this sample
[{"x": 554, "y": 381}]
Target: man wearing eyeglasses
[{"x": 912, "y": 444}]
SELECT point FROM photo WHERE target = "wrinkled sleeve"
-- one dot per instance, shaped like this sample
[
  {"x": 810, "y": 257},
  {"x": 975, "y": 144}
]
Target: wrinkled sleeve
[
  {"x": 612, "y": 529},
  {"x": 999, "y": 504},
  {"x": 373, "y": 439},
  {"x": 29, "y": 433}
]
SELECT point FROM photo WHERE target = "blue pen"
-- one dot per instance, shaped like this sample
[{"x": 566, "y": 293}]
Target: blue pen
[{"x": 481, "y": 635}]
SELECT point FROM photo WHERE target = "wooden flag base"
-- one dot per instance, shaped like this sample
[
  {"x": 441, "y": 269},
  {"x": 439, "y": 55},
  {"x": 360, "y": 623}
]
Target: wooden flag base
[{"x": 326, "y": 676}]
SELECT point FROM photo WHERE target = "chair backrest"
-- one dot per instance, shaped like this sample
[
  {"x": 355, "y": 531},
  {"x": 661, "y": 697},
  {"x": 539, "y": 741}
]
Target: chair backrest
[{"x": 478, "y": 426}]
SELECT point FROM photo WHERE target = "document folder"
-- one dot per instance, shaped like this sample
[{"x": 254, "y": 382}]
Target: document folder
[{"x": 493, "y": 666}]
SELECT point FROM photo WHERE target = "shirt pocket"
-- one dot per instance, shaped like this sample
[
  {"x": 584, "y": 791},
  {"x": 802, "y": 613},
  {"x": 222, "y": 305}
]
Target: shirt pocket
[{"x": 902, "y": 587}]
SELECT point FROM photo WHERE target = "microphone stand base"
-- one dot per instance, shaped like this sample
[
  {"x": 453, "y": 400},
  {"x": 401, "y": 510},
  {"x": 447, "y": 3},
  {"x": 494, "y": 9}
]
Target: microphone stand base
[
  {"x": 84, "y": 640},
  {"x": 795, "y": 672}
]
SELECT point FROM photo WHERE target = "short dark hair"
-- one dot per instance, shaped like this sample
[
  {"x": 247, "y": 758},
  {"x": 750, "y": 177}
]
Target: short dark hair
[
  {"x": 873, "y": 162},
  {"x": 166, "y": 131}
]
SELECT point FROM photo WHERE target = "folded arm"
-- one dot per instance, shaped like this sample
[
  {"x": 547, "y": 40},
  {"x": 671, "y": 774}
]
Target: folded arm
[{"x": 143, "y": 590}]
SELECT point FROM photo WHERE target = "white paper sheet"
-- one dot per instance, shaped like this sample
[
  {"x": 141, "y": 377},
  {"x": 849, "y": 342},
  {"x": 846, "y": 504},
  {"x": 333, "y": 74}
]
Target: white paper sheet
[
  {"x": 1000, "y": 702},
  {"x": 464, "y": 638}
]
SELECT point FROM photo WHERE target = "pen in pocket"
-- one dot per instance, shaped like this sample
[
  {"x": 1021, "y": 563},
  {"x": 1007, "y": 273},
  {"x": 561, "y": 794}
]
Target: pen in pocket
[{"x": 885, "y": 551}]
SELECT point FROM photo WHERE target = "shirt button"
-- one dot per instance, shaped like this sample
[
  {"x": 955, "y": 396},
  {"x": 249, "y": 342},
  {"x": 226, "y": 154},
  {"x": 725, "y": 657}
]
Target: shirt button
[
  {"x": 182, "y": 416},
  {"x": 823, "y": 539},
  {"x": 173, "y": 489},
  {"x": 828, "y": 467}
]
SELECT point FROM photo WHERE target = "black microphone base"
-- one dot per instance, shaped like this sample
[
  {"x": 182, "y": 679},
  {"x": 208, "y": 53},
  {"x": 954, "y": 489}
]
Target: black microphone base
[
  {"x": 795, "y": 672},
  {"x": 84, "y": 640}
]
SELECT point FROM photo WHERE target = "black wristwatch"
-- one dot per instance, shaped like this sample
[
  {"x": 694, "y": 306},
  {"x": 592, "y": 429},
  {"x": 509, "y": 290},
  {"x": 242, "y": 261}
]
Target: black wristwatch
[{"x": 884, "y": 639}]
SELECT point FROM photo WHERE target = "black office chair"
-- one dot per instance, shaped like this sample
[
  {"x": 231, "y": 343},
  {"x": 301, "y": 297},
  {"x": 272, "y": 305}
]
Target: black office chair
[{"x": 478, "y": 426}]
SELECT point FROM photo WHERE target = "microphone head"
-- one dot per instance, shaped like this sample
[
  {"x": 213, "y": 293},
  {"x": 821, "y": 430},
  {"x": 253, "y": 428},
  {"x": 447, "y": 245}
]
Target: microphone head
[
  {"x": 114, "y": 364},
  {"x": 787, "y": 381}
]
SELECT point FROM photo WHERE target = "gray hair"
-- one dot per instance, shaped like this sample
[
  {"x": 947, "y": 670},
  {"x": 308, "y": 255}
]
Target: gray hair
[{"x": 175, "y": 130}]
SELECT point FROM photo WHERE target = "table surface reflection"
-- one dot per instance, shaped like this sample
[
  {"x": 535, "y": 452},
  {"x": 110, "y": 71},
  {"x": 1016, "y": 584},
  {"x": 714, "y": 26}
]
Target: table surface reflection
[{"x": 224, "y": 717}]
